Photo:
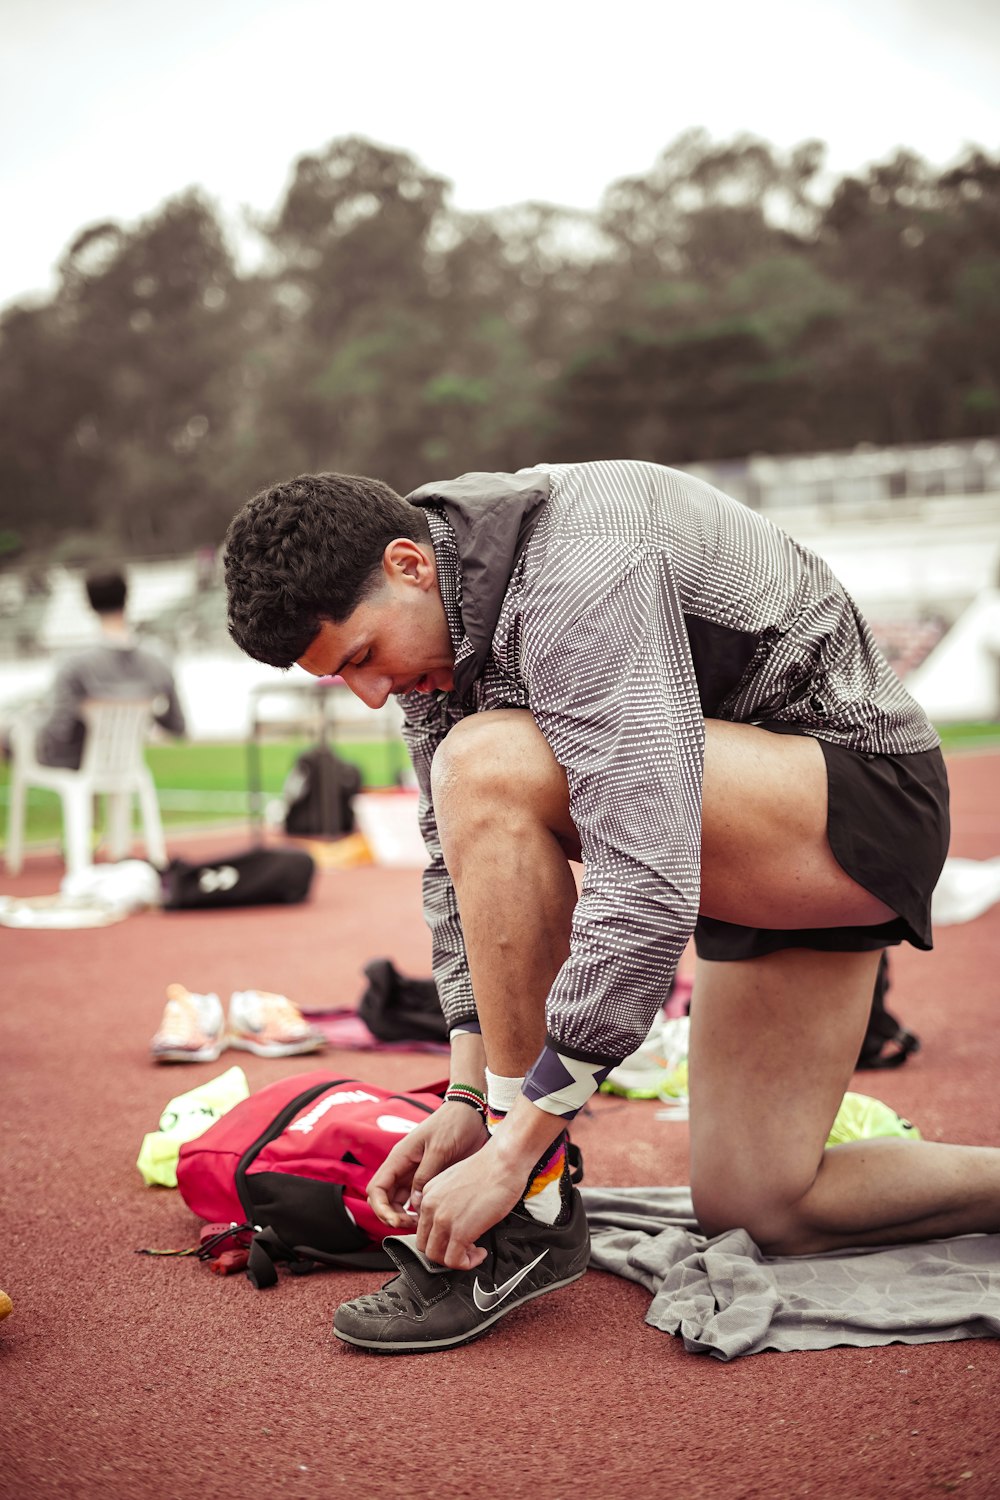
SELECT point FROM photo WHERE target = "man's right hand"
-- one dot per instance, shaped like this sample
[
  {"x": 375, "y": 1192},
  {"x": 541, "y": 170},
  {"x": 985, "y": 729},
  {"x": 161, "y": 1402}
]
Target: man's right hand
[{"x": 450, "y": 1134}]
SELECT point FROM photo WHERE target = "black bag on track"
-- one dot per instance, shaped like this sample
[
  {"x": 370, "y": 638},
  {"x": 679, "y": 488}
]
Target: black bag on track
[
  {"x": 250, "y": 877},
  {"x": 318, "y": 794},
  {"x": 887, "y": 1043},
  {"x": 398, "y": 1009}
]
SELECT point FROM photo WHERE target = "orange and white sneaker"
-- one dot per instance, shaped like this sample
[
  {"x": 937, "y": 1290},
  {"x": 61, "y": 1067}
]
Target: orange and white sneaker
[
  {"x": 270, "y": 1025},
  {"x": 192, "y": 1028}
]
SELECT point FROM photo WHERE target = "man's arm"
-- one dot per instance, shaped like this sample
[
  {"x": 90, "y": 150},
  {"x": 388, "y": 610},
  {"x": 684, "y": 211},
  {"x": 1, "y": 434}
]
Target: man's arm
[
  {"x": 426, "y": 722},
  {"x": 611, "y": 686},
  {"x": 170, "y": 715},
  {"x": 455, "y": 1131},
  {"x": 612, "y": 689}
]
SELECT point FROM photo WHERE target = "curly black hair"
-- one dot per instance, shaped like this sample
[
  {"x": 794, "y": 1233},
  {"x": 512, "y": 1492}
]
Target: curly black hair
[{"x": 306, "y": 551}]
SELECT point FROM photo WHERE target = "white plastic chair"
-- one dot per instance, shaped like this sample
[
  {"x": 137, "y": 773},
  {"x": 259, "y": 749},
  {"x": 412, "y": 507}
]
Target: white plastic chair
[{"x": 112, "y": 765}]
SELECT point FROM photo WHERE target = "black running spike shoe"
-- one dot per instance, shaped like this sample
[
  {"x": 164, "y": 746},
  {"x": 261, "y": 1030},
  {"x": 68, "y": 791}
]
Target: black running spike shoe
[{"x": 428, "y": 1306}]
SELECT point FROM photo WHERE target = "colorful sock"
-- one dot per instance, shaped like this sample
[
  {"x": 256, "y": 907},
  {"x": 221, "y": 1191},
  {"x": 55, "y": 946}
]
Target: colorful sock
[{"x": 548, "y": 1195}]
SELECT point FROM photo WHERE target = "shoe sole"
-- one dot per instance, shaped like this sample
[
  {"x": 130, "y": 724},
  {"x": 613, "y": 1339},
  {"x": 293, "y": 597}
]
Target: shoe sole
[
  {"x": 427, "y": 1346},
  {"x": 274, "y": 1049},
  {"x": 177, "y": 1054}
]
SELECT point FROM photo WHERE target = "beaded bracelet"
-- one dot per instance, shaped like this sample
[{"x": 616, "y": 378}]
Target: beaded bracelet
[{"x": 466, "y": 1094}]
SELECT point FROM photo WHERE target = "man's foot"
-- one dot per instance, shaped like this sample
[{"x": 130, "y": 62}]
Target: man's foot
[
  {"x": 192, "y": 1028},
  {"x": 430, "y": 1307},
  {"x": 270, "y": 1025}
]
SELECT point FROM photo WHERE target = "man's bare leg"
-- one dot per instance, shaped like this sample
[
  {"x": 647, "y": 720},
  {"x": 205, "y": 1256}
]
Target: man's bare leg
[
  {"x": 773, "y": 1045},
  {"x": 499, "y": 799},
  {"x": 773, "y": 1041},
  {"x": 503, "y": 815}
]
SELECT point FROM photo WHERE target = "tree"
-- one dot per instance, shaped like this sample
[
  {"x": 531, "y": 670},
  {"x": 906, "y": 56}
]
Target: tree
[
  {"x": 716, "y": 306},
  {"x": 121, "y": 388}
]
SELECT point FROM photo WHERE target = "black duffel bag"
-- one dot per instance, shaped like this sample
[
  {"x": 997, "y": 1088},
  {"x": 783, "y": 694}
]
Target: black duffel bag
[{"x": 250, "y": 877}]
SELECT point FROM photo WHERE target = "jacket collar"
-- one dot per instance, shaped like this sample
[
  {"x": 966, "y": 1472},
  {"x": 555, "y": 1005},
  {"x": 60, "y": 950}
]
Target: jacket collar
[{"x": 492, "y": 517}]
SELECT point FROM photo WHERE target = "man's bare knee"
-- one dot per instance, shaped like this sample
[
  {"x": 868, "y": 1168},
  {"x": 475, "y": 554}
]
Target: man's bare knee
[
  {"x": 495, "y": 769},
  {"x": 480, "y": 750},
  {"x": 772, "y": 1220}
]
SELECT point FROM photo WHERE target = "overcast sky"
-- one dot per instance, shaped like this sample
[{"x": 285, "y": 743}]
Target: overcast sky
[{"x": 107, "y": 107}]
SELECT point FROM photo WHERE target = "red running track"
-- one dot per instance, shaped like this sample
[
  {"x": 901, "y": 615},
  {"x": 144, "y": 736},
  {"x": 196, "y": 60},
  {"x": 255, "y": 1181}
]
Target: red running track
[{"x": 141, "y": 1379}]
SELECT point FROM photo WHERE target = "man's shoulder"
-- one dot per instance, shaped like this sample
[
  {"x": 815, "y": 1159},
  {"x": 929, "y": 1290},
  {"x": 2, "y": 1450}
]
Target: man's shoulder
[
  {"x": 75, "y": 659},
  {"x": 613, "y": 499},
  {"x": 125, "y": 661},
  {"x": 611, "y": 477}
]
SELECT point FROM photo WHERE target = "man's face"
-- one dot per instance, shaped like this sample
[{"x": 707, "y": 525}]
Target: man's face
[{"x": 397, "y": 639}]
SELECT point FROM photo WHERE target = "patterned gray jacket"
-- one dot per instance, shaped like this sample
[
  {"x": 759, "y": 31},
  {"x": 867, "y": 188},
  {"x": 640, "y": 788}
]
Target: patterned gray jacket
[{"x": 622, "y": 603}]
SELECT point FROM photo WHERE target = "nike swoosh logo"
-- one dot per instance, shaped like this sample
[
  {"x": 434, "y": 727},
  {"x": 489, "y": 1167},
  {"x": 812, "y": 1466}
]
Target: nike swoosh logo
[{"x": 486, "y": 1301}]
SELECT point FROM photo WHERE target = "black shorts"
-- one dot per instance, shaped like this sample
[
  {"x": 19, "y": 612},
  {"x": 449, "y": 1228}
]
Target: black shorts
[{"x": 888, "y": 826}]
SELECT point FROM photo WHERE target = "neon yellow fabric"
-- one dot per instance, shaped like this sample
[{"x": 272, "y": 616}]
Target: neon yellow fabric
[
  {"x": 184, "y": 1118},
  {"x": 860, "y": 1118}
]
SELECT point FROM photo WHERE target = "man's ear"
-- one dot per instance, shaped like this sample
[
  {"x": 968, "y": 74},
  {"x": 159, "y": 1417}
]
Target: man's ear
[{"x": 406, "y": 559}]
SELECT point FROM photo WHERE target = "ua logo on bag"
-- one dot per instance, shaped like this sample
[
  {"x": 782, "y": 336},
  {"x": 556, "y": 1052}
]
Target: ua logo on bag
[{"x": 221, "y": 879}]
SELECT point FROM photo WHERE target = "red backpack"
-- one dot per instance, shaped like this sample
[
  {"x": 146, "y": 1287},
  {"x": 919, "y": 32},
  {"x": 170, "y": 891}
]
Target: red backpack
[{"x": 290, "y": 1166}]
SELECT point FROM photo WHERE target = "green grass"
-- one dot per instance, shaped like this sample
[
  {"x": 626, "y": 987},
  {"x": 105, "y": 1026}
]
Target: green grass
[
  {"x": 226, "y": 768},
  {"x": 969, "y": 736},
  {"x": 204, "y": 784}
]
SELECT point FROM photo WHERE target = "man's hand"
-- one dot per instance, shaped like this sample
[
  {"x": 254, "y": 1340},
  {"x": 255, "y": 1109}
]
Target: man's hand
[
  {"x": 449, "y": 1135},
  {"x": 462, "y": 1203},
  {"x": 472, "y": 1196}
]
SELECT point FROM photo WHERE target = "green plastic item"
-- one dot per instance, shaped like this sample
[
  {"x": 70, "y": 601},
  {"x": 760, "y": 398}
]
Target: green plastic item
[{"x": 185, "y": 1118}]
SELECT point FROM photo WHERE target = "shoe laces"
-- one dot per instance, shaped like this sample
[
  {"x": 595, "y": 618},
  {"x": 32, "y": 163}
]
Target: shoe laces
[
  {"x": 193, "y": 1013},
  {"x": 264, "y": 1010},
  {"x": 395, "y": 1294},
  {"x": 179, "y": 1022},
  {"x": 285, "y": 1013}
]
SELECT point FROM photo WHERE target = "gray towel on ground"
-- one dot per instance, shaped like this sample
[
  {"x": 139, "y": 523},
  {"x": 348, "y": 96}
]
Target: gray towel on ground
[{"x": 725, "y": 1298}]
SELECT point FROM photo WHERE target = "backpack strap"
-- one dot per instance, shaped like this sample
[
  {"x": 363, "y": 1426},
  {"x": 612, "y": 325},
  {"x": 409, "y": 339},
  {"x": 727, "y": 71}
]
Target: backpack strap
[{"x": 266, "y": 1249}]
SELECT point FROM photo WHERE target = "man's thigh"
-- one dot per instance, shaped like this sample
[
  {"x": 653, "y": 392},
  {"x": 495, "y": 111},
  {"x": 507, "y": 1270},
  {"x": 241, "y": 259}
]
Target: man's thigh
[
  {"x": 773, "y": 1045},
  {"x": 765, "y": 857}
]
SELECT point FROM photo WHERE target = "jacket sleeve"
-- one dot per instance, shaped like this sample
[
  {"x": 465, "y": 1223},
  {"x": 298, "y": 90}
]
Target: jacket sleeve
[
  {"x": 607, "y": 662},
  {"x": 427, "y": 720},
  {"x": 169, "y": 714}
]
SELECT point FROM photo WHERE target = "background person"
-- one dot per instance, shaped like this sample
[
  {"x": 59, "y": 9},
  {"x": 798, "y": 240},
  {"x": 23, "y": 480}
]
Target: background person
[{"x": 113, "y": 667}]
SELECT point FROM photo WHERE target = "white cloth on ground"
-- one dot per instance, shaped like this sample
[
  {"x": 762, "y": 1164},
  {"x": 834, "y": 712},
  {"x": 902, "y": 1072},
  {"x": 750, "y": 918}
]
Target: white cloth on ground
[
  {"x": 93, "y": 897},
  {"x": 966, "y": 888}
]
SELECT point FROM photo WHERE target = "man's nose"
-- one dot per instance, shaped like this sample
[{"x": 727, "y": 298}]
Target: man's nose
[{"x": 372, "y": 690}]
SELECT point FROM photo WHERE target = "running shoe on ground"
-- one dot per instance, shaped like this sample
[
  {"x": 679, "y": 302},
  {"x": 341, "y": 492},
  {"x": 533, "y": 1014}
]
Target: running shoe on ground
[
  {"x": 270, "y": 1025},
  {"x": 192, "y": 1029},
  {"x": 430, "y": 1307}
]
